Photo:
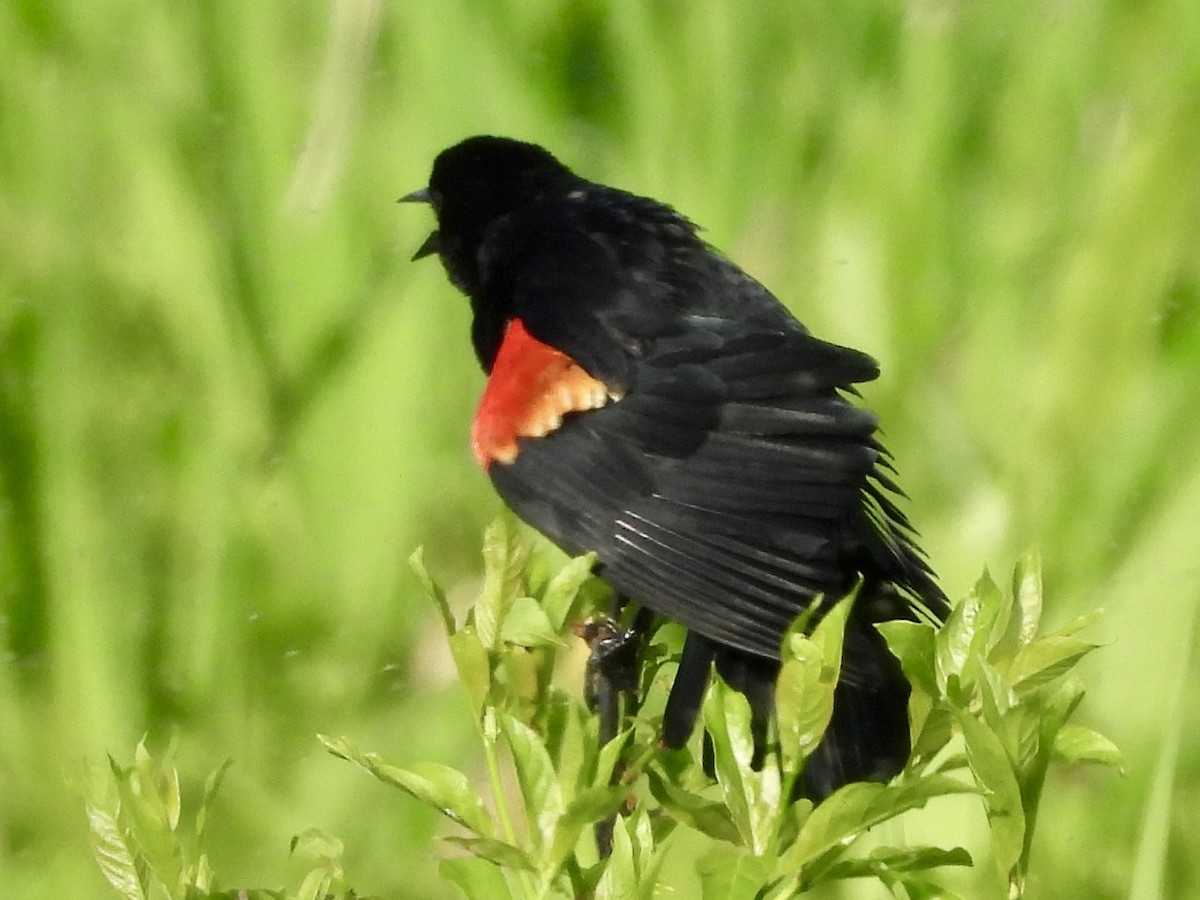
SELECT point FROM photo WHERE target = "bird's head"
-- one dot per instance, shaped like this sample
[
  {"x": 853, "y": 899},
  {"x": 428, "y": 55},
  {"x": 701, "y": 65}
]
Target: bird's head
[{"x": 474, "y": 185}]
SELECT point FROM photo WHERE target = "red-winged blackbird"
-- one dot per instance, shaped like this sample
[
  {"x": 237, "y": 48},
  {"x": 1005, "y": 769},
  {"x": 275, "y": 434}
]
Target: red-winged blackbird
[{"x": 648, "y": 400}]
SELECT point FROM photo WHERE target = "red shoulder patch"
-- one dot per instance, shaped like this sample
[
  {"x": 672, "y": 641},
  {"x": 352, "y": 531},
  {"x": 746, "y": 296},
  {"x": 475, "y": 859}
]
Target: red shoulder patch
[{"x": 530, "y": 388}]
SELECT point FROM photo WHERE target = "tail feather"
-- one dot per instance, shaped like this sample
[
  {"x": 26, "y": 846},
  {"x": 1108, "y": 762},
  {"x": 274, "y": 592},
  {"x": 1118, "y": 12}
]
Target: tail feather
[{"x": 868, "y": 735}]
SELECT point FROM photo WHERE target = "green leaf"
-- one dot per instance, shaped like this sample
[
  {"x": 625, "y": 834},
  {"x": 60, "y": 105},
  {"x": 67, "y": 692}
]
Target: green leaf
[
  {"x": 416, "y": 562},
  {"x": 804, "y": 689},
  {"x": 158, "y": 786},
  {"x": 498, "y": 852},
  {"x": 961, "y": 644},
  {"x": 915, "y": 645},
  {"x": 620, "y": 878},
  {"x": 212, "y": 785},
  {"x": 586, "y": 808},
  {"x": 517, "y": 686},
  {"x": 641, "y": 830},
  {"x": 528, "y": 626},
  {"x": 1044, "y": 660},
  {"x": 539, "y": 783},
  {"x": 568, "y": 733},
  {"x": 1005, "y": 636},
  {"x": 149, "y": 801},
  {"x": 649, "y": 851},
  {"x": 795, "y": 814},
  {"x": 593, "y": 804},
  {"x": 503, "y": 560},
  {"x": 1075, "y": 743},
  {"x": 1027, "y": 589},
  {"x": 112, "y": 850},
  {"x": 885, "y": 861},
  {"x": 704, "y": 815},
  {"x": 446, "y": 789},
  {"x": 952, "y": 645},
  {"x": 603, "y": 799},
  {"x": 200, "y": 875},
  {"x": 853, "y": 809},
  {"x": 1002, "y": 800},
  {"x": 732, "y": 874},
  {"x": 560, "y": 595},
  {"x": 477, "y": 877},
  {"x": 315, "y": 885},
  {"x": 753, "y": 798},
  {"x": 608, "y": 757},
  {"x": 936, "y": 731},
  {"x": 473, "y": 666},
  {"x": 1080, "y": 622}
]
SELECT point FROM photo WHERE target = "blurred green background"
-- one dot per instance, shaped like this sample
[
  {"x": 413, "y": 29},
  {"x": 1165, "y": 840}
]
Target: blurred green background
[{"x": 230, "y": 407}]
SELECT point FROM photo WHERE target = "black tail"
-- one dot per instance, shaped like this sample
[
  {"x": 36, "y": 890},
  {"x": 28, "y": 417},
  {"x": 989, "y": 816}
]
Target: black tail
[
  {"x": 868, "y": 735},
  {"x": 867, "y": 738}
]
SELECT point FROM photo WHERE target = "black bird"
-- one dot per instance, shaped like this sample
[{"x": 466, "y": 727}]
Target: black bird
[{"x": 648, "y": 400}]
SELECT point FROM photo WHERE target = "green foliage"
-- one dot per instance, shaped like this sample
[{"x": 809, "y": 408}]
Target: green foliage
[
  {"x": 991, "y": 676},
  {"x": 133, "y": 817},
  {"x": 987, "y": 682}
]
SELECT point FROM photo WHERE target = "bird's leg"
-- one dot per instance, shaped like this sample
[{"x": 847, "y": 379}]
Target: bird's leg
[
  {"x": 614, "y": 666},
  {"x": 687, "y": 695},
  {"x": 687, "y": 691},
  {"x": 612, "y": 676}
]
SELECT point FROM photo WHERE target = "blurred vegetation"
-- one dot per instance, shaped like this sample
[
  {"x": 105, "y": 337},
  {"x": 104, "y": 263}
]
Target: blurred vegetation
[{"x": 229, "y": 406}]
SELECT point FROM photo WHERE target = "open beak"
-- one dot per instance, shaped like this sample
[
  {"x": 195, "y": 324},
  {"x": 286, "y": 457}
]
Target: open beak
[
  {"x": 431, "y": 245},
  {"x": 428, "y": 248}
]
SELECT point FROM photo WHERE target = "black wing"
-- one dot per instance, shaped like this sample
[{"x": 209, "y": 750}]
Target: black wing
[{"x": 731, "y": 485}]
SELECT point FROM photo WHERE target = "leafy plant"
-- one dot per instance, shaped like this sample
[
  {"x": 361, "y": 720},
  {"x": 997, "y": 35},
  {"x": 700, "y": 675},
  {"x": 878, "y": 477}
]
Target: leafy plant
[
  {"x": 990, "y": 708},
  {"x": 990, "y": 705},
  {"x": 146, "y": 853},
  {"x": 989, "y": 676}
]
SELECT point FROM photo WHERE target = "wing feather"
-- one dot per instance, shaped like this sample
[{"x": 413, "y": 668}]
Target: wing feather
[{"x": 733, "y": 484}]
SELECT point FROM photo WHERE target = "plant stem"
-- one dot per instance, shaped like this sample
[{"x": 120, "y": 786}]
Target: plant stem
[{"x": 490, "y": 731}]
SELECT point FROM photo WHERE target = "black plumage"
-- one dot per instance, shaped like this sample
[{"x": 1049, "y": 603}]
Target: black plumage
[{"x": 718, "y": 465}]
